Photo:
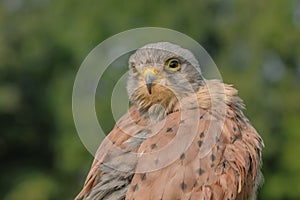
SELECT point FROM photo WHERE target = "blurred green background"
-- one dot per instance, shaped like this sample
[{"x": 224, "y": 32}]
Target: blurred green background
[{"x": 255, "y": 44}]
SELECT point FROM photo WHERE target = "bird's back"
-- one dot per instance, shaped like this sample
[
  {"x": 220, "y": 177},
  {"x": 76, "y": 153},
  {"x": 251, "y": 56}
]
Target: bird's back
[{"x": 210, "y": 151}]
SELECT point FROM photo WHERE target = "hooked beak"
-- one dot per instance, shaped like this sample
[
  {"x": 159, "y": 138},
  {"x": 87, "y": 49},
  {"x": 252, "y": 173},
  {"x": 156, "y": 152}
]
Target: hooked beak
[{"x": 150, "y": 77}]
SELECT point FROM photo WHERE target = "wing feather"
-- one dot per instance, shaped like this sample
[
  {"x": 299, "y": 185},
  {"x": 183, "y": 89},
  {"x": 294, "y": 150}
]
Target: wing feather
[{"x": 216, "y": 155}]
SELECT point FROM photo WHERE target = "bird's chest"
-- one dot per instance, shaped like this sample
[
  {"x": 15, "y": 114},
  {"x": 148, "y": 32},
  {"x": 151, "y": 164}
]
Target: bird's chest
[{"x": 174, "y": 163}]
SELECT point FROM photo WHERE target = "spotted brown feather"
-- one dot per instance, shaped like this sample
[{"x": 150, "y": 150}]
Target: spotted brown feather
[{"x": 208, "y": 166}]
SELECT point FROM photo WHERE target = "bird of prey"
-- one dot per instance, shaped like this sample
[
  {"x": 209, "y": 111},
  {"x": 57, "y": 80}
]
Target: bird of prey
[{"x": 184, "y": 137}]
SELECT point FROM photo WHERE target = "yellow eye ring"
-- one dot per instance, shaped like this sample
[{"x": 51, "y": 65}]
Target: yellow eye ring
[
  {"x": 133, "y": 69},
  {"x": 173, "y": 64}
]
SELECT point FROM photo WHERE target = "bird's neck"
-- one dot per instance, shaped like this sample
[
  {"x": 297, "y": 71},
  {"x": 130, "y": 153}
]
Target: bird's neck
[
  {"x": 160, "y": 102},
  {"x": 214, "y": 95}
]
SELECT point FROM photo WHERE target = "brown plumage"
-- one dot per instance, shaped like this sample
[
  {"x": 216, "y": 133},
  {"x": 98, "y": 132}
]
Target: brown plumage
[{"x": 199, "y": 146}]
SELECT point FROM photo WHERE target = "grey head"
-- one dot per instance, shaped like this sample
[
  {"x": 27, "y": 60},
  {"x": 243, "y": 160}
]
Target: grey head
[{"x": 161, "y": 73}]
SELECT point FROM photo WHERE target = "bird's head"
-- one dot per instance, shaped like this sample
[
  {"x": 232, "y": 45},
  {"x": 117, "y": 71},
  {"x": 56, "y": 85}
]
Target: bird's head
[{"x": 162, "y": 73}]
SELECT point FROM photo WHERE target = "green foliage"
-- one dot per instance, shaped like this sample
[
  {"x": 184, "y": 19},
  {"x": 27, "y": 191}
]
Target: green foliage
[
  {"x": 256, "y": 45},
  {"x": 44, "y": 185}
]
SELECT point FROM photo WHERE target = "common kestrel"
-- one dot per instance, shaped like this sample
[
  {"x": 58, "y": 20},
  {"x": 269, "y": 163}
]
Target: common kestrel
[{"x": 184, "y": 137}]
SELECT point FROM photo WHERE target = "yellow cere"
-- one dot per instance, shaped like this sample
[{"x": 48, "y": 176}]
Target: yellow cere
[{"x": 151, "y": 70}]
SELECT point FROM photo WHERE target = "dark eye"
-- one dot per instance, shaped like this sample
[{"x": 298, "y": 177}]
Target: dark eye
[
  {"x": 173, "y": 64},
  {"x": 133, "y": 68}
]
